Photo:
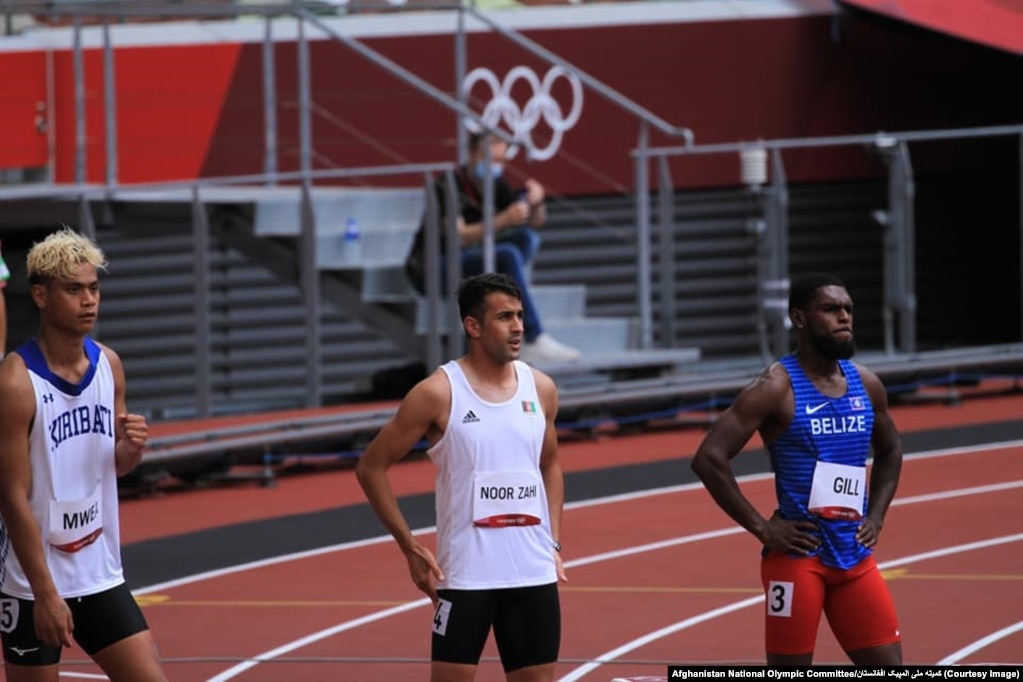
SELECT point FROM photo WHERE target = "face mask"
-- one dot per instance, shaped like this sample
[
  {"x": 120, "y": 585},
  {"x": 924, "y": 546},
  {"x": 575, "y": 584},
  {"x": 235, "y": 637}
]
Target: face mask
[{"x": 495, "y": 170}]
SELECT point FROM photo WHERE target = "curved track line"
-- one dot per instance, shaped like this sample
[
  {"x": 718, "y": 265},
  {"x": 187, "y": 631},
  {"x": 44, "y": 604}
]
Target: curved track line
[
  {"x": 262, "y": 563},
  {"x": 682, "y": 625},
  {"x": 954, "y": 658},
  {"x": 347, "y": 625},
  {"x": 624, "y": 497},
  {"x": 315, "y": 637}
]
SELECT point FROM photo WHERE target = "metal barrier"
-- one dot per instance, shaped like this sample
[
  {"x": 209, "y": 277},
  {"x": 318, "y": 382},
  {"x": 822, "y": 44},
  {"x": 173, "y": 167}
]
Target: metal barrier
[{"x": 773, "y": 271}]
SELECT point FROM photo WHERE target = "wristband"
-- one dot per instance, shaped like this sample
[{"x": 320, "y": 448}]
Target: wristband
[{"x": 557, "y": 546}]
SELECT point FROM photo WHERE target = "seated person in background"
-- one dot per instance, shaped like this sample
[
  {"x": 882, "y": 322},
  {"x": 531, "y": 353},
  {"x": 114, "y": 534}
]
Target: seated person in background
[{"x": 517, "y": 214}]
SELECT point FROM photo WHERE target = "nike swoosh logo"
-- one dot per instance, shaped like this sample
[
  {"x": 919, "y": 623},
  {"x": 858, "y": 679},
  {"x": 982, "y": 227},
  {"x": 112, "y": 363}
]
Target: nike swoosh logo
[
  {"x": 22, "y": 652},
  {"x": 811, "y": 410}
]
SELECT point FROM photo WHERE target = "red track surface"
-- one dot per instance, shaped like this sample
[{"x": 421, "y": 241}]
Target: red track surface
[{"x": 947, "y": 600}]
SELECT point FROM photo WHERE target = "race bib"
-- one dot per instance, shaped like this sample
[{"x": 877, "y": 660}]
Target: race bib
[
  {"x": 75, "y": 524},
  {"x": 838, "y": 491},
  {"x": 506, "y": 498}
]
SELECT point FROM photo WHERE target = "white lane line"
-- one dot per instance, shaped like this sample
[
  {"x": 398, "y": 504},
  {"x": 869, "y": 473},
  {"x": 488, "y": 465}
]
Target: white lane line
[
  {"x": 981, "y": 643},
  {"x": 317, "y": 636},
  {"x": 624, "y": 497},
  {"x": 960, "y": 492},
  {"x": 610, "y": 656}
]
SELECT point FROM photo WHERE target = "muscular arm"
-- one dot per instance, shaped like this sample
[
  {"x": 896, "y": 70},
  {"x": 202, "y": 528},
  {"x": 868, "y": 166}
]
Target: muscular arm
[
  {"x": 420, "y": 413},
  {"x": 17, "y": 410},
  {"x": 726, "y": 438},
  {"x": 887, "y": 466},
  {"x": 550, "y": 466},
  {"x": 764, "y": 404},
  {"x": 131, "y": 430}
]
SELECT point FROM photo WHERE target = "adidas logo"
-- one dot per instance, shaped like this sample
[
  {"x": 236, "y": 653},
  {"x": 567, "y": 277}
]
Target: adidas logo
[{"x": 470, "y": 418}]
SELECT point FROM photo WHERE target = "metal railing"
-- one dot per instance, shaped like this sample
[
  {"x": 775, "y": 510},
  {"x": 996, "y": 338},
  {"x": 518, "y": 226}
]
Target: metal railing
[{"x": 898, "y": 221}]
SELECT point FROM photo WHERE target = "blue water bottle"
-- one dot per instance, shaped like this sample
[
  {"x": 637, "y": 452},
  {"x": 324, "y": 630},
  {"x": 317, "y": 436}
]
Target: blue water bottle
[{"x": 352, "y": 246}]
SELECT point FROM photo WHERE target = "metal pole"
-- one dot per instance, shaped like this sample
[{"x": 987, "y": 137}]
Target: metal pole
[
  {"x": 305, "y": 124},
  {"x": 269, "y": 105},
  {"x": 453, "y": 268},
  {"x": 778, "y": 226},
  {"x": 666, "y": 232},
  {"x": 906, "y": 190},
  {"x": 310, "y": 275},
  {"x": 431, "y": 268},
  {"x": 643, "y": 289},
  {"x": 79, "y": 76},
  {"x": 899, "y": 259},
  {"x": 310, "y": 278},
  {"x": 110, "y": 101},
  {"x": 87, "y": 226},
  {"x": 201, "y": 291},
  {"x": 85, "y": 222},
  {"x": 489, "y": 264},
  {"x": 461, "y": 65}
]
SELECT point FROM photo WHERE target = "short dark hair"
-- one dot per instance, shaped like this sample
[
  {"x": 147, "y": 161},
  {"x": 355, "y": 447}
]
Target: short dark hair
[
  {"x": 477, "y": 138},
  {"x": 472, "y": 294},
  {"x": 805, "y": 288}
]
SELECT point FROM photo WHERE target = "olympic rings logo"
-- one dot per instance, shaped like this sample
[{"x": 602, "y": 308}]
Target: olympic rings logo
[{"x": 520, "y": 121}]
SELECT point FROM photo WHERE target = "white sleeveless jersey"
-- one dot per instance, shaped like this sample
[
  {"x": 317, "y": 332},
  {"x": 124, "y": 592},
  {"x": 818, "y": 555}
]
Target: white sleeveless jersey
[
  {"x": 74, "y": 483},
  {"x": 493, "y": 524}
]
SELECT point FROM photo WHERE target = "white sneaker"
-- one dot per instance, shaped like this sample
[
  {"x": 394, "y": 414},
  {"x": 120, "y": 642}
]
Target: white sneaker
[{"x": 546, "y": 349}]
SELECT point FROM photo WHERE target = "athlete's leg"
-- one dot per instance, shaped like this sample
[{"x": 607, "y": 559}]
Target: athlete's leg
[
  {"x": 862, "y": 615},
  {"x": 527, "y": 629},
  {"x": 132, "y": 659},
  {"x": 27, "y": 673},
  {"x": 26, "y": 658},
  {"x": 461, "y": 624},
  {"x": 110, "y": 627},
  {"x": 794, "y": 591}
]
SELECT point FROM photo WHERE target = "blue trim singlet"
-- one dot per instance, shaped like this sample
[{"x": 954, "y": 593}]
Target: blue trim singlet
[
  {"x": 823, "y": 429},
  {"x": 32, "y": 355}
]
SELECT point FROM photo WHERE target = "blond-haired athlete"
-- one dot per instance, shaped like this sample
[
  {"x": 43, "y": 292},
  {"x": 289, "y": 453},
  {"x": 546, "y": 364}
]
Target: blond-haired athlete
[{"x": 65, "y": 436}]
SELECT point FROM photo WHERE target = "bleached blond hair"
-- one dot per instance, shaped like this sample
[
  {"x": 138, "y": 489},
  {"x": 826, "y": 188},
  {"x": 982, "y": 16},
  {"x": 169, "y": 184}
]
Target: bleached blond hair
[{"x": 59, "y": 256}]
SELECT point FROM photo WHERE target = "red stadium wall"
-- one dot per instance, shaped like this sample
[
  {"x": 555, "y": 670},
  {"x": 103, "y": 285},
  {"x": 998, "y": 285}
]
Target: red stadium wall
[
  {"x": 192, "y": 110},
  {"x": 23, "y": 140}
]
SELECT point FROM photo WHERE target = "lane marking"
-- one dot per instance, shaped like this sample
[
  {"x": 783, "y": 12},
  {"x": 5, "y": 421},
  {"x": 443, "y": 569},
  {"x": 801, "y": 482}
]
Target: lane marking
[
  {"x": 606, "y": 556},
  {"x": 315, "y": 637},
  {"x": 610, "y": 499},
  {"x": 610, "y": 656},
  {"x": 666, "y": 589},
  {"x": 981, "y": 643},
  {"x": 167, "y": 601}
]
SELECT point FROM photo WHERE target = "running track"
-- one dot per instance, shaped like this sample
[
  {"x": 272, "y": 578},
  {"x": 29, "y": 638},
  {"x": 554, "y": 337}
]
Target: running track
[{"x": 656, "y": 576}]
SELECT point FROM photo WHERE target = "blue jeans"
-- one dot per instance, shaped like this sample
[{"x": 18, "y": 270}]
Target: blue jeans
[{"x": 514, "y": 251}]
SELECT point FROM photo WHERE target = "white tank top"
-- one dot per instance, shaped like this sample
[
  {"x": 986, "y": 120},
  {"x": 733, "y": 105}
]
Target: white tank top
[
  {"x": 74, "y": 483},
  {"x": 493, "y": 524}
]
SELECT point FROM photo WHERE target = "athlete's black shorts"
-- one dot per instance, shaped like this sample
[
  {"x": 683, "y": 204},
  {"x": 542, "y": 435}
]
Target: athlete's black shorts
[
  {"x": 526, "y": 622},
  {"x": 100, "y": 619}
]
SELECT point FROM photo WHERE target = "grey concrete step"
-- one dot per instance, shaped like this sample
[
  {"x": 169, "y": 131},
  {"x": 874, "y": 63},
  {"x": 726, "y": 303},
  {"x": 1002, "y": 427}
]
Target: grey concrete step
[
  {"x": 560, "y": 301},
  {"x": 593, "y": 365},
  {"x": 588, "y": 334},
  {"x": 593, "y": 334},
  {"x": 278, "y": 214}
]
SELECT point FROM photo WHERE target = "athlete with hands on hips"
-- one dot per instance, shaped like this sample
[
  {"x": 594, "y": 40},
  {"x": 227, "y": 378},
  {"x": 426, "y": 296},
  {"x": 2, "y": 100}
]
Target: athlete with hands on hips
[{"x": 819, "y": 414}]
